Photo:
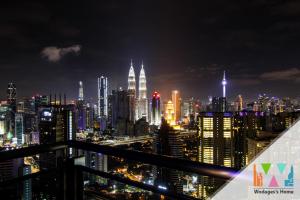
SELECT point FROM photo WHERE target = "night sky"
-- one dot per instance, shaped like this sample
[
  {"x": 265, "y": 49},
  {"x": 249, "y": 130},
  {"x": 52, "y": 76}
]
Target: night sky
[{"x": 51, "y": 45}]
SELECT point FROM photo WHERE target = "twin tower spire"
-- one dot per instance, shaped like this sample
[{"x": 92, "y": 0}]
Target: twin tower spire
[
  {"x": 141, "y": 108},
  {"x": 142, "y": 81}
]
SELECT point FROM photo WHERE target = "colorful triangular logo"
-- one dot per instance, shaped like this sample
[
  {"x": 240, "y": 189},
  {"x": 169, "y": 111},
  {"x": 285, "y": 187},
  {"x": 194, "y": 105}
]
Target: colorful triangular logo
[
  {"x": 281, "y": 167},
  {"x": 266, "y": 167},
  {"x": 273, "y": 182}
]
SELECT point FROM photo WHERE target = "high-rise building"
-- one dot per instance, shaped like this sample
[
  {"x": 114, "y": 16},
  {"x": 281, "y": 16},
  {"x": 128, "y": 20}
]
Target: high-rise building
[
  {"x": 260, "y": 142},
  {"x": 131, "y": 78},
  {"x": 11, "y": 94},
  {"x": 185, "y": 108},
  {"x": 12, "y": 104},
  {"x": 19, "y": 128},
  {"x": 246, "y": 124},
  {"x": 96, "y": 161},
  {"x": 168, "y": 141},
  {"x": 219, "y": 104},
  {"x": 90, "y": 115},
  {"x": 155, "y": 109},
  {"x": 238, "y": 103},
  {"x": 81, "y": 109},
  {"x": 141, "y": 127},
  {"x": 27, "y": 185},
  {"x": 102, "y": 97},
  {"x": 40, "y": 100},
  {"x": 4, "y": 124},
  {"x": 169, "y": 113},
  {"x": 56, "y": 123},
  {"x": 119, "y": 108},
  {"x": 176, "y": 103},
  {"x": 133, "y": 114},
  {"x": 142, "y": 99},
  {"x": 216, "y": 136},
  {"x": 80, "y": 96},
  {"x": 81, "y": 116},
  {"x": 9, "y": 169},
  {"x": 263, "y": 103}
]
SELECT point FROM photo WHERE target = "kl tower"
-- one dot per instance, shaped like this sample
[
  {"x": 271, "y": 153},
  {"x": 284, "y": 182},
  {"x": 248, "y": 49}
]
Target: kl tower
[{"x": 224, "y": 83}]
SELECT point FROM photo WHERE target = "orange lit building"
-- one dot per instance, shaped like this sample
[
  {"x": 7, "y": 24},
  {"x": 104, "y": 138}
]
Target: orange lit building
[
  {"x": 176, "y": 104},
  {"x": 169, "y": 113}
]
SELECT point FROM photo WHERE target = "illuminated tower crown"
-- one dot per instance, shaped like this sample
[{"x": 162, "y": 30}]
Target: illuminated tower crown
[
  {"x": 142, "y": 84},
  {"x": 80, "y": 97},
  {"x": 131, "y": 78},
  {"x": 224, "y": 83}
]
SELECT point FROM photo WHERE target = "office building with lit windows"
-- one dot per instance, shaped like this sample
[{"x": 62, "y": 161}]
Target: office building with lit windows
[
  {"x": 169, "y": 113},
  {"x": 216, "y": 138},
  {"x": 19, "y": 128},
  {"x": 155, "y": 109},
  {"x": 81, "y": 109},
  {"x": 219, "y": 104},
  {"x": 168, "y": 141},
  {"x": 102, "y": 97}
]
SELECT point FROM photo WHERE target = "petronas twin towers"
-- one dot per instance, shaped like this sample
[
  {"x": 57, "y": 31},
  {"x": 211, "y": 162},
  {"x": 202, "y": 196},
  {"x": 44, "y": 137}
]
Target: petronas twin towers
[{"x": 138, "y": 104}]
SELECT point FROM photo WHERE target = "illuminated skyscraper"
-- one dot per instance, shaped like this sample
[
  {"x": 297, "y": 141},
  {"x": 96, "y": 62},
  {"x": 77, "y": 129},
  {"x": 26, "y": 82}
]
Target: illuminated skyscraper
[
  {"x": 19, "y": 128},
  {"x": 169, "y": 113},
  {"x": 80, "y": 96},
  {"x": 131, "y": 78},
  {"x": 27, "y": 185},
  {"x": 133, "y": 114},
  {"x": 81, "y": 109},
  {"x": 176, "y": 104},
  {"x": 102, "y": 96},
  {"x": 224, "y": 83},
  {"x": 168, "y": 141},
  {"x": 142, "y": 99},
  {"x": 238, "y": 104},
  {"x": 216, "y": 143},
  {"x": 11, "y": 93},
  {"x": 216, "y": 136},
  {"x": 155, "y": 109}
]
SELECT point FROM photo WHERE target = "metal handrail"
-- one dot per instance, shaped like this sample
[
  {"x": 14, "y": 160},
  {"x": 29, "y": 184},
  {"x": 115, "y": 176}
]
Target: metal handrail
[
  {"x": 154, "y": 159},
  {"x": 135, "y": 183},
  {"x": 204, "y": 169},
  {"x": 31, "y": 150}
]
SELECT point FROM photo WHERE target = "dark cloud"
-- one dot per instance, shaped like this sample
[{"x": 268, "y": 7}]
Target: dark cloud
[
  {"x": 288, "y": 8},
  {"x": 246, "y": 82},
  {"x": 290, "y": 74},
  {"x": 54, "y": 54}
]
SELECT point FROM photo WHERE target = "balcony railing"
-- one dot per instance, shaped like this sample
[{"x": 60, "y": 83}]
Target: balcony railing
[{"x": 72, "y": 180}]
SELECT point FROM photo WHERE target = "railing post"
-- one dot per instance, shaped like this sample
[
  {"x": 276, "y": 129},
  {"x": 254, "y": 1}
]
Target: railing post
[
  {"x": 73, "y": 181},
  {"x": 78, "y": 183}
]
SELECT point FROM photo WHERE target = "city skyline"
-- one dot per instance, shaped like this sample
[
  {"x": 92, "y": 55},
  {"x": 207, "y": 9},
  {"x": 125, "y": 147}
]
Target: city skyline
[
  {"x": 183, "y": 53},
  {"x": 149, "y": 99},
  {"x": 166, "y": 93}
]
